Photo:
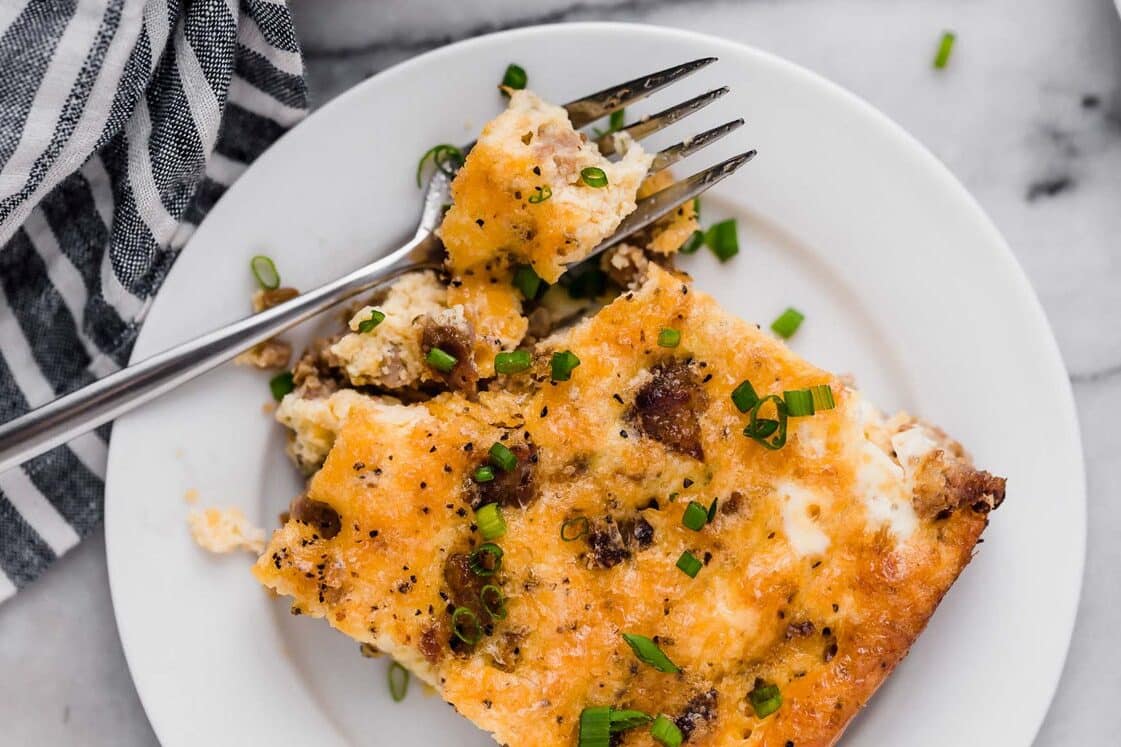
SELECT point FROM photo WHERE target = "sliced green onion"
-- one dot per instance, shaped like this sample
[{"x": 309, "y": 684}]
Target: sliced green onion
[
  {"x": 594, "y": 176},
  {"x": 646, "y": 651},
  {"x": 398, "y": 681},
  {"x": 945, "y": 47},
  {"x": 689, "y": 564},
  {"x": 765, "y": 698},
  {"x": 665, "y": 731},
  {"x": 581, "y": 528},
  {"x": 695, "y": 241},
  {"x": 760, "y": 429},
  {"x": 484, "y": 473},
  {"x": 527, "y": 281},
  {"x": 515, "y": 77},
  {"x": 465, "y": 625},
  {"x": 440, "y": 360},
  {"x": 540, "y": 194},
  {"x": 512, "y": 362},
  {"x": 617, "y": 120},
  {"x": 264, "y": 270},
  {"x": 669, "y": 338},
  {"x": 595, "y": 727},
  {"x": 367, "y": 325},
  {"x": 799, "y": 402},
  {"x": 490, "y": 521},
  {"x": 502, "y": 457},
  {"x": 497, "y": 609},
  {"x": 744, "y": 396},
  {"x": 447, "y": 159},
  {"x": 562, "y": 365},
  {"x": 622, "y": 719},
  {"x": 695, "y": 516},
  {"x": 486, "y": 559},
  {"x": 712, "y": 510},
  {"x": 823, "y": 397},
  {"x": 787, "y": 323},
  {"x": 697, "y": 208},
  {"x": 722, "y": 239},
  {"x": 281, "y": 384}
]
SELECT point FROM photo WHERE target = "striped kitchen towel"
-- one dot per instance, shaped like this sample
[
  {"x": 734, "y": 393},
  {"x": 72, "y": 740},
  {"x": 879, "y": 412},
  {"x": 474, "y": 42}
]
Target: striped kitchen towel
[{"x": 121, "y": 123}]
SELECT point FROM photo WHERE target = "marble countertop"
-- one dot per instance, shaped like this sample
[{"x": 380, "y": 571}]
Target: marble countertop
[{"x": 1028, "y": 115}]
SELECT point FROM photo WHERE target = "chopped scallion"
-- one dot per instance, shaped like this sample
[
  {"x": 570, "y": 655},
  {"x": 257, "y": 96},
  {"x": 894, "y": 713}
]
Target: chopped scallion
[
  {"x": 689, "y": 564},
  {"x": 712, "y": 510},
  {"x": 695, "y": 241},
  {"x": 515, "y": 77},
  {"x": 665, "y": 731},
  {"x": 398, "y": 681},
  {"x": 823, "y": 397},
  {"x": 788, "y": 323},
  {"x": 264, "y": 270},
  {"x": 367, "y": 325},
  {"x": 486, "y": 559},
  {"x": 622, "y": 720},
  {"x": 574, "y": 528},
  {"x": 512, "y": 362},
  {"x": 760, "y": 429},
  {"x": 496, "y": 604},
  {"x": 540, "y": 194},
  {"x": 562, "y": 364},
  {"x": 648, "y": 653},
  {"x": 594, "y": 176},
  {"x": 669, "y": 338},
  {"x": 440, "y": 360},
  {"x": 484, "y": 473},
  {"x": 500, "y": 456},
  {"x": 465, "y": 625},
  {"x": 945, "y": 47},
  {"x": 447, "y": 159},
  {"x": 527, "y": 281},
  {"x": 617, "y": 120},
  {"x": 490, "y": 521},
  {"x": 695, "y": 516},
  {"x": 281, "y": 384},
  {"x": 595, "y": 727},
  {"x": 765, "y": 698},
  {"x": 722, "y": 239},
  {"x": 744, "y": 396},
  {"x": 799, "y": 402}
]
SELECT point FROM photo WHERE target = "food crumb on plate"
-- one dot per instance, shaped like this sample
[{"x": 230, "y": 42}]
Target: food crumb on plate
[
  {"x": 191, "y": 496},
  {"x": 225, "y": 530}
]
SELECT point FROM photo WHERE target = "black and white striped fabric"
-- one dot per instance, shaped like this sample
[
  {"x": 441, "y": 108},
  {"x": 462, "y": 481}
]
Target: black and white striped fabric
[{"x": 121, "y": 123}]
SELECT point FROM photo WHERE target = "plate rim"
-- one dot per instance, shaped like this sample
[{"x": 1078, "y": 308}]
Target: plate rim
[{"x": 885, "y": 127}]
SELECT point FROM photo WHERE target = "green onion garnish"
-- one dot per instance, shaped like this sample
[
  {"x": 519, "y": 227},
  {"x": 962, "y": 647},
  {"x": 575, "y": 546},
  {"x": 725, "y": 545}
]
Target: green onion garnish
[
  {"x": 440, "y": 360},
  {"x": 823, "y": 397},
  {"x": 695, "y": 241},
  {"x": 621, "y": 720},
  {"x": 945, "y": 47},
  {"x": 617, "y": 120},
  {"x": 447, "y": 158},
  {"x": 595, "y": 727},
  {"x": 527, "y": 281},
  {"x": 648, "y": 653},
  {"x": 484, "y": 473},
  {"x": 594, "y": 176},
  {"x": 486, "y": 559},
  {"x": 281, "y": 384},
  {"x": 512, "y": 362},
  {"x": 465, "y": 625},
  {"x": 490, "y": 521},
  {"x": 540, "y": 194},
  {"x": 367, "y": 325},
  {"x": 722, "y": 239},
  {"x": 574, "y": 528},
  {"x": 765, "y": 698},
  {"x": 665, "y": 731},
  {"x": 398, "y": 681},
  {"x": 562, "y": 365},
  {"x": 265, "y": 271},
  {"x": 497, "y": 607},
  {"x": 760, "y": 429},
  {"x": 669, "y": 338},
  {"x": 502, "y": 457},
  {"x": 695, "y": 516},
  {"x": 712, "y": 510},
  {"x": 799, "y": 402},
  {"x": 515, "y": 77},
  {"x": 689, "y": 564},
  {"x": 787, "y": 323},
  {"x": 744, "y": 396}
]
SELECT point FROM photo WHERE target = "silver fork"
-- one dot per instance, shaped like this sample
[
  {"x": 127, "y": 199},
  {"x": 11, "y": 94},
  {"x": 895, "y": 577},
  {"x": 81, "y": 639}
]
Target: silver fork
[{"x": 73, "y": 414}]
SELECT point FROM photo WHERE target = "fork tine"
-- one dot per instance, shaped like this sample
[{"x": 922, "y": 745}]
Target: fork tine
[
  {"x": 584, "y": 111},
  {"x": 689, "y": 146},
  {"x": 665, "y": 201},
  {"x": 649, "y": 125}
]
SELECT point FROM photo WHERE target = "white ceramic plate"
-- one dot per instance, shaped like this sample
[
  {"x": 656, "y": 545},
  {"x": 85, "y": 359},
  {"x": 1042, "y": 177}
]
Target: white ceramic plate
[{"x": 904, "y": 281}]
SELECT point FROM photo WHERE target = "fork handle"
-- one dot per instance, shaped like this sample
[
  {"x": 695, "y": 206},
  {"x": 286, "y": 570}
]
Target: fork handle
[{"x": 83, "y": 410}]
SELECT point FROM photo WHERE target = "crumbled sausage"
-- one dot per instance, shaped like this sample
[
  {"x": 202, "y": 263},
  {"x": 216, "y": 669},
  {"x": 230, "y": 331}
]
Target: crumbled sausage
[
  {"x": 610, "y": 542},
  {"x": 317, "y": 514},
  {"x": 270, "y": 354},
  {"x": 513, "y": 488},
  {"x": 700, "y": 709},
  {"x": 318, "y": 372},
  {"x": 458, "y": 342},
  {"x": 669, "y": 407},
  {"x": 266, "y": 299}
]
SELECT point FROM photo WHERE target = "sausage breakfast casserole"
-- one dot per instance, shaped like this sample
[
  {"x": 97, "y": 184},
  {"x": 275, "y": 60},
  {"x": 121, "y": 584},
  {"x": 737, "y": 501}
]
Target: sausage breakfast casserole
[{"x": 594, "y": 508}]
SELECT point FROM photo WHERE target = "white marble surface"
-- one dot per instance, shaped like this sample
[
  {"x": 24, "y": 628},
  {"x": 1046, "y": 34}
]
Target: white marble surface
[{"x": 1028, "y": 115}]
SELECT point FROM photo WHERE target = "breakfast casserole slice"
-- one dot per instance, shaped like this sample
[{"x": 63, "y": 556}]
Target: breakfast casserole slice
[{"x": 667, "y": 528}]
